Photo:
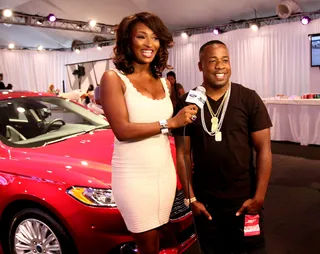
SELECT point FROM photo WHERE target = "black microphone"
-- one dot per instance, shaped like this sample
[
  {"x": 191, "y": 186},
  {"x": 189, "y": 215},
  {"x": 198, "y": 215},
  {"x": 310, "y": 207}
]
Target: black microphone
[{"x": 197, "y": 97}]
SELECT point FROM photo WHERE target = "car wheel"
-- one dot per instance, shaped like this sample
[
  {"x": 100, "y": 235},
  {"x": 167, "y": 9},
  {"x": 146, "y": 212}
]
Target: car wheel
[{"x": 34, "y": 231}]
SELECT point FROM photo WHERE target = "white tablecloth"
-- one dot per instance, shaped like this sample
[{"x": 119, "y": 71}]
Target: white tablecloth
[{"x": 295, "y": 120}]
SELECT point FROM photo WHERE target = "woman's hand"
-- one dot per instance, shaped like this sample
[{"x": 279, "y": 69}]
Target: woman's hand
[{"x": 185, "y": 116}]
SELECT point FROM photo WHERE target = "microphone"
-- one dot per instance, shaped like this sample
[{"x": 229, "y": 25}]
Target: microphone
[{"x": 197, "y": 97}]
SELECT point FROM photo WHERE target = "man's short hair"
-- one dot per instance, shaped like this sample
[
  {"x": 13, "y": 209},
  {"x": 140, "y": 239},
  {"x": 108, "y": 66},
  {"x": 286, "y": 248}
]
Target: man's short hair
[{"x": 213, "y": 42}]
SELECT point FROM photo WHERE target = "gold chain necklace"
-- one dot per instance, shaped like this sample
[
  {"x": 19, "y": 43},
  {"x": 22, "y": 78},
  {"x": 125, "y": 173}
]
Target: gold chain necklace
[{"x": 215, "y": 116}]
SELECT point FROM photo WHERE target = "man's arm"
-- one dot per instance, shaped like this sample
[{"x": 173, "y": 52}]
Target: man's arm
[
  {"x": 184, "y": 164},
  {"x": 262, "y": 146}
]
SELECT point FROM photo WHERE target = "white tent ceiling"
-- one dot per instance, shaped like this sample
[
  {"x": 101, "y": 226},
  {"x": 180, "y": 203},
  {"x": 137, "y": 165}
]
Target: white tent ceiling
[{"x": 176, "y": 14}]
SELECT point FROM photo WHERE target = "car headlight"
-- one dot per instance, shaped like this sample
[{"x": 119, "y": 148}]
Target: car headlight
[{"x": 92, "y": 196}]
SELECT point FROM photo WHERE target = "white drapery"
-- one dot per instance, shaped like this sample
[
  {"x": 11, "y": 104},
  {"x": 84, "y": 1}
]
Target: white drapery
[
  {"x": 274, "y": 60},
  {"x": 33, "y": 70}
]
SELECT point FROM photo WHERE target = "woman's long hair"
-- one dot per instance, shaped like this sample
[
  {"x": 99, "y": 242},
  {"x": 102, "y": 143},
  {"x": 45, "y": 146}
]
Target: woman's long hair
[{"x": 123, "y": 57}]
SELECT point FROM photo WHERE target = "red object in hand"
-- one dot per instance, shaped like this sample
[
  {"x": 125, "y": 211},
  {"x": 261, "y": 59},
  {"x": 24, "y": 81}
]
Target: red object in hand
[{"x": 251, "y": 225}]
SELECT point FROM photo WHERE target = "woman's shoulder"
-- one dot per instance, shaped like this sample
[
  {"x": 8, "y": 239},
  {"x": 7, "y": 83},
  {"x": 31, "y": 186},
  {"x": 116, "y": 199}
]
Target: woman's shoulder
[
  {"x": 167, "y": 82},
  {"x": 113, "y": 76}
]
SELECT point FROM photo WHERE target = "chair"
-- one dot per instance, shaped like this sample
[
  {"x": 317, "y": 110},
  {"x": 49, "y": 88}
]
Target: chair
[{"x": 7, "y": 131}]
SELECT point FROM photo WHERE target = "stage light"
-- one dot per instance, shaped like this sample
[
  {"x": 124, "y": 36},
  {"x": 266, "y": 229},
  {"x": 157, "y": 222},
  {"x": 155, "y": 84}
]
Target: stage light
[
  {"x": 77, "y": 51},
  {"x": 7, "y": 13},
  {"x": 39, "y": 22},
  {"x": 11, "y": 46},
  {"x": 40, "y": 47},
  {"x": 254, "y": 27},
  {"x": 92, "y": 23},
  {"x": 99, "y": 48},
  {"x": 305, "y": 20},
  {"x": 184, "y": 35},
  {"x": 217, "y": 31},
  {"x": 51, "y": 17}
]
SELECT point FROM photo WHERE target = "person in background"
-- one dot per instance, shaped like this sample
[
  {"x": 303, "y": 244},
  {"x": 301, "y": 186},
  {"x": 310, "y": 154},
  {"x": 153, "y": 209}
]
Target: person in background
[
  {"x": 136, "y": 102},
  {"x": 97, "y": 95},
  {"x": 226, "y": 188},
  {"x": 2, "y": 86},
  {"x": 177, "y": 89},
  {"x": 9, "y": 86},
  {"x": 52, "y": 90},
  {"x": 90, "y": 93}
]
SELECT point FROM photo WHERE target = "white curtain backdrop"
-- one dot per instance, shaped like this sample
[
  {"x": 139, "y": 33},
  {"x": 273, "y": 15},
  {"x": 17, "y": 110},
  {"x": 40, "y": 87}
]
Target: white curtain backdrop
[
  {"x": 33, "y": 70},
  {"x": 274, "y": 60}
]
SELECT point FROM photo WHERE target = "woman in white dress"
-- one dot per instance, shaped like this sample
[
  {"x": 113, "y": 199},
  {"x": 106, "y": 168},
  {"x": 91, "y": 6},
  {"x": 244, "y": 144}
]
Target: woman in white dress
[{"x": 137, "y": 104}]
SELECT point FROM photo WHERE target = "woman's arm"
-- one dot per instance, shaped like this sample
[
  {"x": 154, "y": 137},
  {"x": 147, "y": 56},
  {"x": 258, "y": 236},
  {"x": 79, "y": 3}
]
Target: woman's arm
[{"x": 115, "y": 109}]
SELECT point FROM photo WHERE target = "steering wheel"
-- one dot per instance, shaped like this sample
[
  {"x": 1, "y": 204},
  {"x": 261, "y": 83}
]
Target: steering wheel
[{"x": 50, "y": 124}]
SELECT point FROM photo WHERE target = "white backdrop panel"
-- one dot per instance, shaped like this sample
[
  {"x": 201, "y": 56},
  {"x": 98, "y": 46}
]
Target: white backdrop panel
[{"x": 274, "y": 60}]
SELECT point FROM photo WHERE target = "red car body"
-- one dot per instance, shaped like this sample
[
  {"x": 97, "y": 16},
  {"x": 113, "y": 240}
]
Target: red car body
[{"x": 40, "y": 177}]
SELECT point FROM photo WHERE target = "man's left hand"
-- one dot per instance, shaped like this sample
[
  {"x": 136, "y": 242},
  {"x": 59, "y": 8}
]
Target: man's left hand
[{"x": 251, "y": 206}]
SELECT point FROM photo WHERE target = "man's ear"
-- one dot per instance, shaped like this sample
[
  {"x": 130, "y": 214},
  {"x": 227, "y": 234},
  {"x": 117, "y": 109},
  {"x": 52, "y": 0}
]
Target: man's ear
[{"x": 200, "y": 66}]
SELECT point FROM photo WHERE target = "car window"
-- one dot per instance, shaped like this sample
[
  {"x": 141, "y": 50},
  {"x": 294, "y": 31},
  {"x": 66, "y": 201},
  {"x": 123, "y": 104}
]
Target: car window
[{"x": 35, "y": 121}]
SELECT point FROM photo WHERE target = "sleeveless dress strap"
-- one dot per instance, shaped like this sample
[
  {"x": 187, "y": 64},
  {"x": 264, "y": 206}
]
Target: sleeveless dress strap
[{"x": 165, "y": 87}]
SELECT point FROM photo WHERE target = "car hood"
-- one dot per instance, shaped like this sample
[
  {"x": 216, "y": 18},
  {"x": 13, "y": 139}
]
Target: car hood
[{"x": 79, "y": 160}]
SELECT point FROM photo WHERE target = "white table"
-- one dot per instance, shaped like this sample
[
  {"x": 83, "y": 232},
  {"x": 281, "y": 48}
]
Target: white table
[{"x": 295, "y": 120}]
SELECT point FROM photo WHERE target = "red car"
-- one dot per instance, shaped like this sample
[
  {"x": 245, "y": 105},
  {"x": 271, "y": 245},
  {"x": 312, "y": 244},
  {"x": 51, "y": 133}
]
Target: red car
[{"x": 55, "y": 181}]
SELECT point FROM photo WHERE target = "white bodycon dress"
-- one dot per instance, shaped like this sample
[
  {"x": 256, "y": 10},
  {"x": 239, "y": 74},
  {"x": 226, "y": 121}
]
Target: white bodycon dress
[{"x": 143, "y": 172}]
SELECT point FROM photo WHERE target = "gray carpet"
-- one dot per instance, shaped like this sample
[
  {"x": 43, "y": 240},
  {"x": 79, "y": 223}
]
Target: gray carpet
[{"x": 292, "y": 207}]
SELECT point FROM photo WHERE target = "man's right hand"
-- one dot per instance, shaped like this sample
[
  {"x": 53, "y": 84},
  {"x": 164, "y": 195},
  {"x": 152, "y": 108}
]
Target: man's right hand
[{"x": 199, "y": 209}]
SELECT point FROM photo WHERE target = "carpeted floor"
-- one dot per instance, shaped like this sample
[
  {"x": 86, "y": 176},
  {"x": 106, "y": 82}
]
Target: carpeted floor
[{"x": 292, "y": 207}]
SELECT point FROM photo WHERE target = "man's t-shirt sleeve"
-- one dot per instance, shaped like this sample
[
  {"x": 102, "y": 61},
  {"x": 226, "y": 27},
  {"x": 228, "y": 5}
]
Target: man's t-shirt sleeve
[{"x": 258, "y": 115}]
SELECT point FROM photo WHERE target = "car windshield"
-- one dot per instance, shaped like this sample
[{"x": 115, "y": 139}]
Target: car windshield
[{"x": 37, "y": 121}]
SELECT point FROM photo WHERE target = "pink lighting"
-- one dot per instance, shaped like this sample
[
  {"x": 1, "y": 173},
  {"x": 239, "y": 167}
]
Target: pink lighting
[
  {"x": 305, "y": 20},
  {"x": 51, "y": 17}
]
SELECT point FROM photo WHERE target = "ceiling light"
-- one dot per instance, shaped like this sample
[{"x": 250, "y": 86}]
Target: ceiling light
[
  {"x": 305, "y": 20},
  {"x": 184, "y": 35},
  {"x": 254, "y": 27},
  {"x": 51, "y": 17},
  {"x": 40, "y": 47},
  {"x": 11, "y": 46},
  {"x": 92, "y": 23},
  {"x": 7, "y": 13},
  {"x": 217, "y": 31}
]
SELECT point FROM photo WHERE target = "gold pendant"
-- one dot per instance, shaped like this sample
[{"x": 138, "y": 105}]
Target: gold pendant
[{"x": 214, "y": 124}]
